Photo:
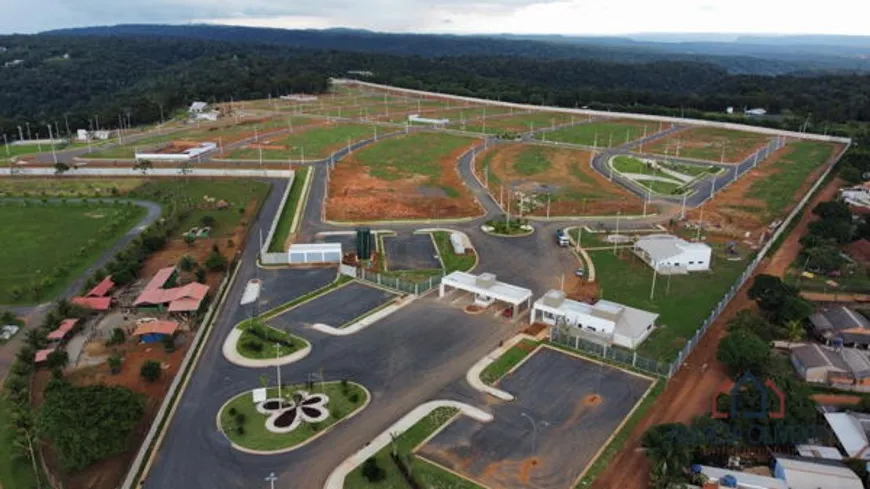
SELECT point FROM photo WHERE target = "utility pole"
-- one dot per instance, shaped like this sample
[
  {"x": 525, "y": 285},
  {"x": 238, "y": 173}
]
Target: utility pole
[
  {"x": 29, "y": 136},
  {"x": 652, "y": 290},
  {"x": 277, "y": 364},
  {"x": 66, "y": 122},
  {"x": 51, "y": 140},
  {"x": 548, "y": 206},
  {"x": 271, "y": 479},
  {"x": 618, "y": 213},
  {"x": 579, "y": 237},
  {"x": 683, "y": 210}
]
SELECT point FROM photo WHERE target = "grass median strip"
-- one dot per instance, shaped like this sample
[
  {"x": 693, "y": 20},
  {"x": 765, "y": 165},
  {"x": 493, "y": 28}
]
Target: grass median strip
[
  {"x": 258, "y": 341},
  {"x": 285, "y": 222},
  {"x": 427, "y": 475},
  {"x": 502, "y": 365},
  {"x": 451, "y": 261}
]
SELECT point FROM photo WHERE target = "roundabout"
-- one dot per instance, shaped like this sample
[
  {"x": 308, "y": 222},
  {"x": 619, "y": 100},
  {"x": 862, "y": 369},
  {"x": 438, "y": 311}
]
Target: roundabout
[{"x": 288, "y": 417}]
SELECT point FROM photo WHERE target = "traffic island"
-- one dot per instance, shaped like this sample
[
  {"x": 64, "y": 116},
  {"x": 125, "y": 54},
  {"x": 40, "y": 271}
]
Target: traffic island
[
  {"x": 286, "y": 420},
  {"x": 253, "y": 344},
  {"x": 512, "y": 228}
]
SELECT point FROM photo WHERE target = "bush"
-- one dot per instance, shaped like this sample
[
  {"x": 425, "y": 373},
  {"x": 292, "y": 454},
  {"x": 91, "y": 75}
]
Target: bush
[
  {"x": 200, "y": 275},
  {"x": 372, "y": 471},
  {"x": 114, "y": 363},
  {"x": 150, "y": 370},
  {"x": 232, "y": 411},
  {"x": 353, "y": 397},
  {"x": 253, "y": 346},
  {"x": 240, "y": 430},
  {"x": 186, "y": 263},
  {"x": 117, "y": 337},
  {"x": 168, "y": 343},
  {"x": 216, "y": 262},
  {"x": 240, "y": 418},
  {"x": 208, "y": 221}
]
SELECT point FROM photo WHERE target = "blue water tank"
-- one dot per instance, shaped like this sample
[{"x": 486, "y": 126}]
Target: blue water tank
[
  {"x": 696, "y": 469},
  {"x": 729, "y": 481}
]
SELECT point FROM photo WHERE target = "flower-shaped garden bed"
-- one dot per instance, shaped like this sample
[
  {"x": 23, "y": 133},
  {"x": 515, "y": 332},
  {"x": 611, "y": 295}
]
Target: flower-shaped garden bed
[{"x": 281, "y": 423}]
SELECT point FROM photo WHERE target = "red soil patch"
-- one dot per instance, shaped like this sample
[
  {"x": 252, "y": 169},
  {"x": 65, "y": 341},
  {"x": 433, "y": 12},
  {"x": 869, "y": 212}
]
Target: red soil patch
[
  {"x": 473, "y": 309},
  {"x": 578, "y": 189},
  {"x": 526, "y": 468},
  {"x": 738, "y": 145},
  {"x": 356, "y": 195},
  {"x": 836, "y": 399},
  {"x": 534, "y": 329},
  {"x": 592, "y": 400}
]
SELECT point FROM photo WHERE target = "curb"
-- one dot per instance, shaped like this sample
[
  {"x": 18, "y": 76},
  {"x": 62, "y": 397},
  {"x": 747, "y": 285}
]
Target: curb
[
  {"x": 473, "y": 374},
  {"x": 230, "y": 352}
]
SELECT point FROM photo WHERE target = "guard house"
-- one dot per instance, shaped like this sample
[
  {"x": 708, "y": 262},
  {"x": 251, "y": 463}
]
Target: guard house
[
  {"x": 487, "y": 290},
  {"x": 604, "y": 322}
]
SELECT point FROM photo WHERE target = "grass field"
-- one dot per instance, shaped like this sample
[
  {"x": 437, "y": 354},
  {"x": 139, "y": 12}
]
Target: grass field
[
  {"x": 789, "y": 174},
  {"x": 452, "y": 262},
  {"x": 282, "y": 231},
  {"x": 531, "y": 162},
  {"x": 216, "y": 134},
  {"x": 342, "y": 403},
  {"x": 519, "y": 123},
  {"x": 316, "y": 142},
  {"x": 44, "y": 246},
  {"x": 509, "y": 359},
  {"x": 707, "y": 143},
  {"x": 417, "y": 155},
  {"x": 604, "y": 134},
  {"x": 630, "y": 165},
  {"x": 238, "y": 193},
  {"x": 682, "y": 304},
  {"x": 67, "y": 187},
  {"x": 428, "y": 475}
]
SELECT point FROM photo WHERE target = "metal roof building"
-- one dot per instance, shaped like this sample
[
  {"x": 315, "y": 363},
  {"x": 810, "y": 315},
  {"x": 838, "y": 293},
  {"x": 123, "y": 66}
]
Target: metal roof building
[
  {"x": 801, "y": 473},
  {"x": 851, "y": 432},
  {"x": 486, "y": 289},
  {"x": 669, "y": 254},
  {"x": 841, "y": 322}
]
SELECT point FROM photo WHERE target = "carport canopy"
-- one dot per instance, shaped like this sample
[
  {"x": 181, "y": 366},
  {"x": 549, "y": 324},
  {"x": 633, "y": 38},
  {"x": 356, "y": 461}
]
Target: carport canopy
[
  {"x": 486, "y": 289},
  {"x": 315, "y": 253}
]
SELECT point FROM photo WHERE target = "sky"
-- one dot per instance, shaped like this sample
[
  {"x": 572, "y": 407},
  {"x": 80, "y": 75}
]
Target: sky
[{"x": 577, "y": 17}]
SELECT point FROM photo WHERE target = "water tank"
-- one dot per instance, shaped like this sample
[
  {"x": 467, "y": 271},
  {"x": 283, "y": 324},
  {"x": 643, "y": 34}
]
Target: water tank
[
  {"x": 728, "y": 481},
  {"x": 364, "y": 243}
]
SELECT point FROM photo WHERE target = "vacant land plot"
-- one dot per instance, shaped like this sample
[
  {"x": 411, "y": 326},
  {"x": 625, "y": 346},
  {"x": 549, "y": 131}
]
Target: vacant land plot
[
  {"x": 706, "y": 143},
  {"x": 565, "y": 410},
  {"x": 564, "y": 174},
  {"x": 410, "y": 252},
  {"x": 67, "y": 187},
  {"x": 223, "y": 133},
  {"x": 604, "y": 134},
  {"x": 516, "y": 123},
  {"x": 768, "y": 191},
  {"x": 405, "y": 177},
  {"x": 682, "y": 301},
  {"x": 310, "y": 143},
  {"x": 205, "y": 197},
  {"x": 46, "y": 245}
]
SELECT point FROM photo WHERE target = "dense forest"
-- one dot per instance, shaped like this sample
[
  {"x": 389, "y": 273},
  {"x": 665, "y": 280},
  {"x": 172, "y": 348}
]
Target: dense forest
[{"x": 82, "y": 77}]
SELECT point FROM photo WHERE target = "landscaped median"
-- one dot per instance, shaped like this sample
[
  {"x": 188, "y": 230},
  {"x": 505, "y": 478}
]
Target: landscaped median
[
  {"x": 290, "y": 419},
  {"x": 507, "y": 361},
  {"x": 491, "y": 368}
]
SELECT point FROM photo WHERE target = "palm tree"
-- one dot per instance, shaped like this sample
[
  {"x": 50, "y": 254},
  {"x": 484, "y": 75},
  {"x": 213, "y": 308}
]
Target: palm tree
[{"x": 795, "y": 331}]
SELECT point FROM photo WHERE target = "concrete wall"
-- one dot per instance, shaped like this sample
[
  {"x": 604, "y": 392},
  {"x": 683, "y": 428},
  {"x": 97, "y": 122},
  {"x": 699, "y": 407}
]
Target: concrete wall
[{"x": 154, "y": 172}]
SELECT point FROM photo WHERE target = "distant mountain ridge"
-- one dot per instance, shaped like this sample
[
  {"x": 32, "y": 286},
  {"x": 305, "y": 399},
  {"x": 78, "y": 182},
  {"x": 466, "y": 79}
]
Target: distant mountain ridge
[{"x": 746, "y": 55}]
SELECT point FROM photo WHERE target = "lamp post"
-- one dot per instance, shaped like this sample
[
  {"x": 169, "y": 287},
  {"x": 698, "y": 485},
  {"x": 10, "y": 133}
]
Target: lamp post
[
  {"x": 278, "y": 367},
  {"x": 534, "y": 428},
  {"x": 271, "y": 479}
]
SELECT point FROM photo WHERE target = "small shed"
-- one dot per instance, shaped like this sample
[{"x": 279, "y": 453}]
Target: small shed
[
  {"x": 155, "y": 331},
  {"x": 63, "y": 331},
  {"x": 487, "y": 289},
  {"x": 314, "y": 253}
]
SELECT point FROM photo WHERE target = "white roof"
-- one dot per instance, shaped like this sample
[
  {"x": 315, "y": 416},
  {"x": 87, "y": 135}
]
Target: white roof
[
  {"x": 259, "y": 394},
  {"x": 498, "y": 290},
  {"x": 628, "y": 321},
  {"x": 198, "y": 106},
  {"x": 809, "y": 474},
  {"x": 745, "y": 480},
  {"x": 818, "y": 451},
  {"x": 850, "y": 433},
  {"x": 252, "y": 292},
  {"x": 663, "y": 246},
  {"x": 315, "y": 248}
]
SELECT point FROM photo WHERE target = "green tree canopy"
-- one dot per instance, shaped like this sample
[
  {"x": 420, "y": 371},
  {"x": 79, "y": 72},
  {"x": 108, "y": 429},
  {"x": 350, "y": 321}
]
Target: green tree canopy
[{"x": 742, "y": 351}]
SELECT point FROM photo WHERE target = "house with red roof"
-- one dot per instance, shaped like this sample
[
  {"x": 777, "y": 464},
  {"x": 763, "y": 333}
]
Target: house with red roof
[
  {"x": 63, "y": 331},
  {"x": 97, "y": 298},
  {"x": 187, "y": 298},
  {"x": 42, "y": 355},
  {"x": 155, "y": 331}
]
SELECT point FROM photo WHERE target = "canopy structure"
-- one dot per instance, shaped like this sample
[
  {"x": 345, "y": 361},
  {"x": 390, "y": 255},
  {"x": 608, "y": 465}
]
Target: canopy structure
[
  {"x": 65, "y": 327},
  {"x": 487, "y": 289},
  {"x": 94, "y": 303},
  {"x": 302, "y": 253}
]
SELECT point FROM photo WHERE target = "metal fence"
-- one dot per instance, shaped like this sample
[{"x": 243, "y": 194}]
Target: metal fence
[
  {"x": 404, "y": 286},
  {"x": 615, "y": 355}
]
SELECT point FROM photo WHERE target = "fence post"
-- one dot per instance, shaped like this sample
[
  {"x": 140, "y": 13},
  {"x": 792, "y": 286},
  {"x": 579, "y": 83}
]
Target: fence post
[
  {"x": 430, "y": 283},
  {"x": 576, "y": 342},
  {"x": 379, "y": 279},
  {"x": 634, "y": 359},
  {"x": 417, "y": 288}
]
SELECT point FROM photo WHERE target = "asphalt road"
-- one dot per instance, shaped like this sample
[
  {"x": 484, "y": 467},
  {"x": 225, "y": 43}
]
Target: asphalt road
[
  {"x": 549, "y": 433},
  {"x": 335, "y": 309},
  {"x": 410, "y": 252}
]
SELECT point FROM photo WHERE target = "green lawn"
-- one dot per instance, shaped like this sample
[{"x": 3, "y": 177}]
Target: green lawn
[
  {"x": 15, "y": 472},
  {"x": 788, "y": 174},
  {"x": 67, "y": 187},
  {"x": 45, "y": 245},
  {"x": 430, "y": 476},
  {"x": 198, "y": 192},
  {"x": 532, "y": 161},
  {"x": 706, "y": 143},
  {"x": 257, "y": 347},
  {"x": 682, "y": 306},
  {"x": 514, "y": 355},
  {"x": 343, "y": 401},
  {"x": 294, "y": 200},
  {"x": 518, "y": 123},
  {"x": 606, "y": 132},
  {"x": 412, "y": 155},
  {"x": 452, "y": 262},
  {"x": 628, "y": 164},
  {"x": 317, "y": 142},
  {"x": 690, "y": 170}
]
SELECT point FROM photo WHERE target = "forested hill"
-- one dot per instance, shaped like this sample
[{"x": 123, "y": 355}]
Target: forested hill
[
  {"x": 49, "y": 77},
  {"x": 750, "y": 59}
]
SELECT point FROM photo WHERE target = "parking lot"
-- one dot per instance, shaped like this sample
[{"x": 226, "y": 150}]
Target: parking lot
[
  {"x": 335, "y": 308},
  {"x": 410, "y": 252},
  {"x": 565, "y": 410}
]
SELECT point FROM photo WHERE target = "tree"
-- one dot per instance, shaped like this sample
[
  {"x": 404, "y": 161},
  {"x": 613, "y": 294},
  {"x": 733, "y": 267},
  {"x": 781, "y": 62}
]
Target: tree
[
  {"x": 751, "y": 322},
  {"x": 208, "y": 220},
  {"x": 87, "y": 424},
  {"x": 794, "y": 308},
  {"x": 372, "y": 471},
  {"x": 200, "y": 275},
  {"x": 795, "y": 330},
  {"x": 115, "y": 363},
  {"x": 117, "y": 337},
  {"x": 744, "y": 352},
  {"x": 669, "y": 448},
  {"x": 150, "y": 370},
  {"x": 60, "y": 168},
  {"x": 186, "y": 263},
  {"x": 834, "y": 209},
  {"x": 216, "y": 262},
  {"x": 143, "y": 166},
  {"x": 57, "y": 359}
]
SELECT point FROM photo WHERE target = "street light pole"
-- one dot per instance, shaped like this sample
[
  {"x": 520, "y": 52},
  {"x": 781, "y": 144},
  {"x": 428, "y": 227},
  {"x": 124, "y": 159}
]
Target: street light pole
[
  {"x": 278, "y": 368},
  {"x": 271, "y": 480},
  {"x": 534, "y": 429}
]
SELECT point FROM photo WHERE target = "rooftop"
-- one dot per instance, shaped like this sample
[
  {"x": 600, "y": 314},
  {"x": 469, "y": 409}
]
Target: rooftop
[
  {"x": 65, "y": 327},
  {"x": 833, "y": 320},
  {"x": 802, "y": 473},
  {"x": 851, "y": 431},
  {"x": 42, "y": 355},
  {"x": 486, "y": 284},
  {"x": 156, "y": 327},
  {"x": 102, "y": 288},
  {"x": 663, "y": 246},
  {"x": 626, "y": 320},
  {"x": 745, "y": 480},
  {"x": 95, "y": 303}
]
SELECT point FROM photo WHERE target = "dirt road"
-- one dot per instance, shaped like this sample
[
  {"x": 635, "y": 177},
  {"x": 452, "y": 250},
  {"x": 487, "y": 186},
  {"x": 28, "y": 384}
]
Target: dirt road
[{"x": 690, "y": 391}]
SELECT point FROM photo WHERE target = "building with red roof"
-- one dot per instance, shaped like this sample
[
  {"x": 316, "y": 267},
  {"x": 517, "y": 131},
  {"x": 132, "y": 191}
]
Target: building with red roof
[
  {"x": 93, "y": 303},
  {"x": 42, "y": 355},
  {"x": 62, "y": 331},
  {"x": 187, "y": 298},
  {"x": 155, "y": 331},
  {"x": 102, "y": 288}
]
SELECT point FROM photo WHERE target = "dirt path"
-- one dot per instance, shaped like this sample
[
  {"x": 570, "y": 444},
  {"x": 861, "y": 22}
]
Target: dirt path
[{"x": 788, "y": 252}]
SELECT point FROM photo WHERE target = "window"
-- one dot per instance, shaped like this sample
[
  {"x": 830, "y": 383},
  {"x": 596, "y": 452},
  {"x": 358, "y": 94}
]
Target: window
[
  {"x": 592, "y": 329},
  {"x": 691, "y": 263}
]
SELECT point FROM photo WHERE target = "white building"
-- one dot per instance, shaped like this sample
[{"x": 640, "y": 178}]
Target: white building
[
  {"x": 851, "y": 430},
  {"x": 197, "y": 107},
  {"x": 858, "y": 196},
  {"x": 742, "y": 480},
  {"x": 185, "y": 155},
  {"x": 605, "y": 321},
  {"x": 211, "y": 115},
  {"x": 423, "y": 120},
  {"x": 669, "y": 254},
  {"x": 14, "y": 62},
  {"x": 486, "y": 289},
  {"x": 802, "y": 473},
  {"x": 305, "y": 253}
]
